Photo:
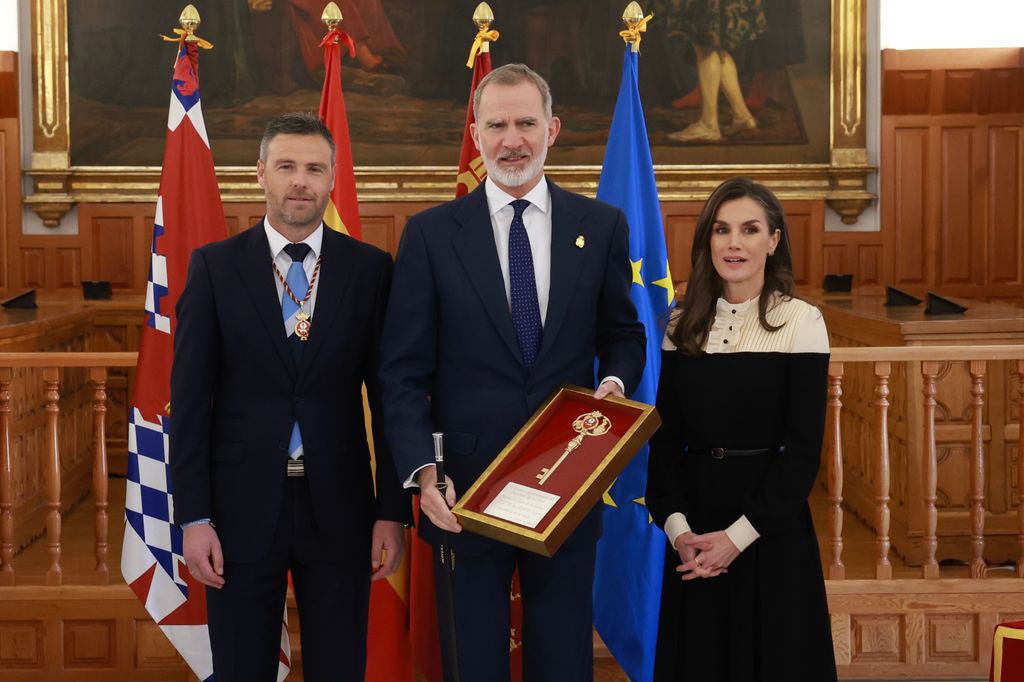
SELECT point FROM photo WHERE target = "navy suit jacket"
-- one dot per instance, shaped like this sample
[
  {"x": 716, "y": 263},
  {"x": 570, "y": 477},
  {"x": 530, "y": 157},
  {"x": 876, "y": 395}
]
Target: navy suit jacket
[
  {"x": 450, "y": 360},
  {"x": 236, "y": 390}
]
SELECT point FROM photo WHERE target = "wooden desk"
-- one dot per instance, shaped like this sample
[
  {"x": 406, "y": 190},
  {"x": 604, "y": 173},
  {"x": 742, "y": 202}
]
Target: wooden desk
[{"x": 864, "y": 320}]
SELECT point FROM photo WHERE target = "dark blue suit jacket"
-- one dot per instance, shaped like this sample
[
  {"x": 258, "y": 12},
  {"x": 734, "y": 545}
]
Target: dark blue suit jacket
[
  {"x": 235, "y": 392},
  {"x": 450, "y": 360}
]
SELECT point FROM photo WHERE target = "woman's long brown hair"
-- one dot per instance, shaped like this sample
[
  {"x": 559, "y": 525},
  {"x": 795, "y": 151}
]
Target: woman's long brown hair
[{"x": 705, "y": 286}]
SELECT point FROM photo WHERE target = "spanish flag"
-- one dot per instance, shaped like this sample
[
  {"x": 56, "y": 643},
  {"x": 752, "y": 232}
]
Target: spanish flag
[
  {"x": 342, "y": 213},
  {"x": 389, "y": 654}
]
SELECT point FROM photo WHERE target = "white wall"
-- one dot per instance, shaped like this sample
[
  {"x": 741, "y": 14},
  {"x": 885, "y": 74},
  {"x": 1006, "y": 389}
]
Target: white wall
[
  {"x": 8, "y": 25},
  {"x": 922, "y": 24}
]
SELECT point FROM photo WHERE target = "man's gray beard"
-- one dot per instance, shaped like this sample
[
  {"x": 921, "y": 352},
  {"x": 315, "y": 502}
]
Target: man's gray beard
[{"x": 515, "y": 177}]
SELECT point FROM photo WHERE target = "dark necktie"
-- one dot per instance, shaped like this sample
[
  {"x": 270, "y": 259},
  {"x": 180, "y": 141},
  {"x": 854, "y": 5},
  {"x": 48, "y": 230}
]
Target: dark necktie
[
  {"x": 523, "y": 287},
  {"x": 298, "y": 283}
]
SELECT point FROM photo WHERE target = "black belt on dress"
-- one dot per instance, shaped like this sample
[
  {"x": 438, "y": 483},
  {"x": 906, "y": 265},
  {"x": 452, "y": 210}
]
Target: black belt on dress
[{"x": 722, "y": 453}]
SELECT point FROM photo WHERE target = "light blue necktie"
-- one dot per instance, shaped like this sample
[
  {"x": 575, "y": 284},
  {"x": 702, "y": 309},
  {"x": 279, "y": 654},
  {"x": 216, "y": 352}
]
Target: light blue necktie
[{"x": 298, "y": 283}]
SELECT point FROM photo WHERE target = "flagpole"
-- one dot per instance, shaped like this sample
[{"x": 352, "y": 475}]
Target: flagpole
[{"x": 631, "y": 552}]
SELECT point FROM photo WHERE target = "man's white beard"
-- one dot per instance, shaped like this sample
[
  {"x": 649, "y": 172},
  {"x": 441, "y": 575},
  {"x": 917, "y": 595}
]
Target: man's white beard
[{"x": 515, "y": 177}]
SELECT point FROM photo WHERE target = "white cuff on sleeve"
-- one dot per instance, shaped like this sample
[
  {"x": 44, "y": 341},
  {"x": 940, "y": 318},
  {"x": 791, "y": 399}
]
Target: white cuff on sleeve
[
  {"x": 411, "y": 481},
  {"x": 618, "y": 381},
  {"x": 675, "y": 526},
  {"x": 742, "y": 533}
]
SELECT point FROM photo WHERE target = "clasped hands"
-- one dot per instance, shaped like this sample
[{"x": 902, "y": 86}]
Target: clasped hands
[{"x": 704, "y": 556}]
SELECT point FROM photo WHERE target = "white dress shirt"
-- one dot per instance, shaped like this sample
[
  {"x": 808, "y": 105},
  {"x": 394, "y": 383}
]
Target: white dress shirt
[
  {"x": 537, "y": 220},
  {"x": 283, "y": 262}
]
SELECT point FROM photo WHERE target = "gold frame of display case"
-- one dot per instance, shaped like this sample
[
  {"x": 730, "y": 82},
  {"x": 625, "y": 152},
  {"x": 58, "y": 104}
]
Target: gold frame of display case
[{"x": 584, "y": 490}]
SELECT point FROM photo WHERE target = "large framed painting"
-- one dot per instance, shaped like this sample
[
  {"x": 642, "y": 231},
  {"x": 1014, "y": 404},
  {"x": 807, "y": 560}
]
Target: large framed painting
[{"x": 769, "y": 88}]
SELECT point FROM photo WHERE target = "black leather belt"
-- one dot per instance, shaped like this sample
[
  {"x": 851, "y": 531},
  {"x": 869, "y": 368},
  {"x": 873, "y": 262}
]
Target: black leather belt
[{"x": 722, "y": 453}]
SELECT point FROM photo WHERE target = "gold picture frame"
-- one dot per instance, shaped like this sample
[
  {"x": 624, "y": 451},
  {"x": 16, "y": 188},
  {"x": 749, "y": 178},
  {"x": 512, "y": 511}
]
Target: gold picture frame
[
  {"x": 57, "y": 185},
  {"x": 581, "y": 488}
]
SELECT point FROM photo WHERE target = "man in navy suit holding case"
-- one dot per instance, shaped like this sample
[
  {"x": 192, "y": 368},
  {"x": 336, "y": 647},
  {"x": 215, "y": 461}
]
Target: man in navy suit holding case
[
  {"x": 278, "y": 329},
  {"x": 499, "y": 298}
]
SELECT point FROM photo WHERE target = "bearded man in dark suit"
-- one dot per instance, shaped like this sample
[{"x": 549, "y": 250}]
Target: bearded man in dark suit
[{"x": 499, "y": 298}]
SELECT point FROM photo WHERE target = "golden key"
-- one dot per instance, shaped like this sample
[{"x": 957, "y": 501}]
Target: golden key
[{"x": 588, "y": 424}]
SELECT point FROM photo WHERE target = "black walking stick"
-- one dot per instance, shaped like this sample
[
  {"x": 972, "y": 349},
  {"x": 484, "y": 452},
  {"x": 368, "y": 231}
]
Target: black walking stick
[{"x": 448, "y": 559}]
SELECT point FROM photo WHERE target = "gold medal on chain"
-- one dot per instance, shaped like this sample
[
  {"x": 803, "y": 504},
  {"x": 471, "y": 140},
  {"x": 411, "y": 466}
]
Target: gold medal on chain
[
  {"x": 302, "y": 325},
  {"x": 303, "y": 322}
]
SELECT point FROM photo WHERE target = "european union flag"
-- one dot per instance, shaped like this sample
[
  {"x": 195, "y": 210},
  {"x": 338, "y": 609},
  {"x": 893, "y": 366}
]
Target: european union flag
[{"x": 631, "y": 554}]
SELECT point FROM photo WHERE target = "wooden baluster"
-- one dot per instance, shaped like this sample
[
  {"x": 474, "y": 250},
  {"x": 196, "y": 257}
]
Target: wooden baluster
[
  {"x": 929, "y": 474},
  {"x": 51, "y": 376},
  {"x": 883, "y": 568},
  {"x": 977, "y": 469},
  {"x": 836, "y": 569},
  {"x": 1020, "y": 465},
  {"x": 98, "y": 375},
  {"x": 6, "y": 480}
]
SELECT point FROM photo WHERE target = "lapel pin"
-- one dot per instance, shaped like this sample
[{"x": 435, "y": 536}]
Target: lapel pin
[{"x": 580, "y": 242}]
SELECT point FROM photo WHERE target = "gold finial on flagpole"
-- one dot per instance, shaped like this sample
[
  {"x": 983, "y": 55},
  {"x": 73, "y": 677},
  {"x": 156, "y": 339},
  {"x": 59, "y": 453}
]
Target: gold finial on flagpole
[
  {"x": 331, "y": 16},
  {"x": 633, "y": 15},
  {"x": 636, "y": 23},
  {"x": 483, "y": 16},
  {"x": 190, "y": 21}
]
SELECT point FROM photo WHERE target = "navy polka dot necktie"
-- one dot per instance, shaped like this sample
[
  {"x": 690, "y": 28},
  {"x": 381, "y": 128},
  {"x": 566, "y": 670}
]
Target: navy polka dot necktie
[{"x": 523, "y": 287}]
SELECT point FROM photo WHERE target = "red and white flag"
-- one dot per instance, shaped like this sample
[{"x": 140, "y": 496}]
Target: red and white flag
[{"x": 188, "y": 214}]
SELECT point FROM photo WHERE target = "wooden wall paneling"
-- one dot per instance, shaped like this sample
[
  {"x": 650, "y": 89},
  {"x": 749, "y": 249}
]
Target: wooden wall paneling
[
  {"x": 909, "y": 216},
  {"x": 241, "y": 216},
  {"x": 383, "y": 224},
  {"x": 857, "y": 253},
  {"x": 961, "y": 89},
  {"x": 679, "y": 220},
  {"x": 960, "y": 258},
  {"x": 10, "y": 164},
  {"x": 952, "y": 200},
  {"x": 68, "y": 272},
  {"x": 806, "y": 221},
  {"x": 113, "y": 242},
  {"x": 906, "y": 92},
  {"x": 112, "y": 250},
  {"x": 33, "y": 268},
  {"x": 1005, "y": 229}
]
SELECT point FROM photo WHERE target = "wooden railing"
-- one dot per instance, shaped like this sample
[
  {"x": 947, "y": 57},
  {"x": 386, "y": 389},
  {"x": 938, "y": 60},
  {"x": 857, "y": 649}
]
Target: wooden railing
[
  {"x": 881, "y": 359},
  {"x": 50, "y": 365}
]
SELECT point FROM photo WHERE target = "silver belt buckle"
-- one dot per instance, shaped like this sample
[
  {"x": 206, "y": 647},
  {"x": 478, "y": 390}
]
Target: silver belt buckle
[{"x": 296, "y": 467}]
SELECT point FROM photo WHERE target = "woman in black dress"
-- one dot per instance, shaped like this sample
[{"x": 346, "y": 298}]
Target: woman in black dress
[{"x": 742, "y": 402}]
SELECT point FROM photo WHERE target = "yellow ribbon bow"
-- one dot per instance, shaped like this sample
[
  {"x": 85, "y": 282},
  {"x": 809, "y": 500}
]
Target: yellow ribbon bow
[
  {"x": 632, "y": 35},
  {"x": 184, "y": 35},
  {"x": 482, "y": 37}
]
